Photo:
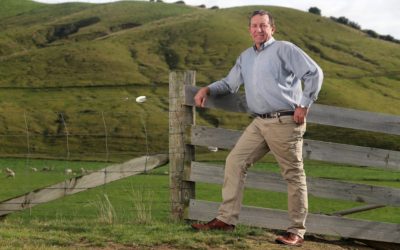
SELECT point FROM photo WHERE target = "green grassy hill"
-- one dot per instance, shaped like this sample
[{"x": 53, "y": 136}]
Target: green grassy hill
[
  {"x": 89, "y": 62},
  {"x": 11, "y": 8}
]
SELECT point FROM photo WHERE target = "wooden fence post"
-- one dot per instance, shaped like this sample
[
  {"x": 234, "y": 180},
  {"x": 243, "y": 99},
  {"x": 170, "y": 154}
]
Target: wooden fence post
[{"x": 180, "y": 154}]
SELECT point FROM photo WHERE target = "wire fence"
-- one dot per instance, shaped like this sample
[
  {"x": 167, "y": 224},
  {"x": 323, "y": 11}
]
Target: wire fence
[
  {"x": 64, "y": 136},
  {"x": 41, "y": 148}
]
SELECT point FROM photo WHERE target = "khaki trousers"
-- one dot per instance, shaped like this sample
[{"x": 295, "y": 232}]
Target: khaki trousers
[{"x": 284, "y": 138}]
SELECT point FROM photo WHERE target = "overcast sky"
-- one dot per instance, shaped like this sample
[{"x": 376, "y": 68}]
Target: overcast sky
[{"x": 382, "y": 16}]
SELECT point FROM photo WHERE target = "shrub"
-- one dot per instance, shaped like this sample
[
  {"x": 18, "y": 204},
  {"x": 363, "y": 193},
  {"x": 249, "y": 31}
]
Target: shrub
[
  {"x": 386, "y": 38},
  {"x": 342, "y": 20},
  {"x": 354, "y": 25},
  {"x": 314, "y": 10},
  {"x": 371, "y": 33}
]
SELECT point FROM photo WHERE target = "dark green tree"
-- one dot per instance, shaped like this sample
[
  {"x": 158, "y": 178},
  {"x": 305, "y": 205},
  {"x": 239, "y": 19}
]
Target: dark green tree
[
  {"x": 354, "y": 25},
  {"x": 371, "y": 33},
  {"x": 314, "y": 10},
  {"x": 343, "y": 20}
]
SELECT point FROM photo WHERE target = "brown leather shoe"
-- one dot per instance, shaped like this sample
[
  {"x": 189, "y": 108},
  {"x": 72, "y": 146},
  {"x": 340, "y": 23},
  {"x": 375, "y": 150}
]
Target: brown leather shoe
[
  {"x": 215, "y": 224},
  {"x": 290, "y": 239}
]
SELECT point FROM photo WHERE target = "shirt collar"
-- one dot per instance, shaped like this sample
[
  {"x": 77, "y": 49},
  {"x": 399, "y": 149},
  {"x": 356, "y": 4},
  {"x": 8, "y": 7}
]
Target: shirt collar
[{"x": 265, "y": 44}]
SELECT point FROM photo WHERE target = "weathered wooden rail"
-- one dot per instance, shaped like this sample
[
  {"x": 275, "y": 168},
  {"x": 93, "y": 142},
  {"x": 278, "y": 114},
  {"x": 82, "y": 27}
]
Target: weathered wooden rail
[
  {"x": 185, "y": 171},
  {"x": 82, "y": 183}
]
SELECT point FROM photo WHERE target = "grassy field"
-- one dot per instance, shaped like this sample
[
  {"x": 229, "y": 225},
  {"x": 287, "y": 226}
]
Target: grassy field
[
  {"x": 86, "y": 61},
  {"x": 69, "y": 76},
  {"x": 137, "y": 213}
]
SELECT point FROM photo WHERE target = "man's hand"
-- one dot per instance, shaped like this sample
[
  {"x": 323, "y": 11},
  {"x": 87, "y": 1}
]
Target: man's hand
[
  {"x": 300, "y": 115},
  {"x": 201, "y": 96}
]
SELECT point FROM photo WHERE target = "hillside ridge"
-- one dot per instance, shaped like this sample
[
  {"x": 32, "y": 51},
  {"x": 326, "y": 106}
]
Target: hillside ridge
[{"x": 82, "y": 60}]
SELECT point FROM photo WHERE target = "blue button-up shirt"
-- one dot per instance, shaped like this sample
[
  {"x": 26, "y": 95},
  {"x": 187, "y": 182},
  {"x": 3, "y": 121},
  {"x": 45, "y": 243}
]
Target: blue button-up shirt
[{"x": 272, "y": 77}]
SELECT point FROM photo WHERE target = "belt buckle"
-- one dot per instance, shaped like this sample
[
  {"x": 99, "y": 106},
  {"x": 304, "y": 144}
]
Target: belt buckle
[{"x": 274, "y": 114}]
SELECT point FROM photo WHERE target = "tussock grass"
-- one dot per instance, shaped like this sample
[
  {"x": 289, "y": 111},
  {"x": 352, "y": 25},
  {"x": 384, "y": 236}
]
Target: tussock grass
[
  {"x": 142, "y": 201},
  {"x": 105, "y": 210}
]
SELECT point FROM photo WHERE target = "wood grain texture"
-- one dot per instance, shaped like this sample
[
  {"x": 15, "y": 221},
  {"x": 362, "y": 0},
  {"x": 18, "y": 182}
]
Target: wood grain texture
[
  {"x": 82, "y": 183},
  {"x": 209, "y": 173},
  {"x": 313, "y": 150},
  {"x": 319, "y": 224},
  {"x": 180, "y": 153},
  {"x": 320, "y": 114}
]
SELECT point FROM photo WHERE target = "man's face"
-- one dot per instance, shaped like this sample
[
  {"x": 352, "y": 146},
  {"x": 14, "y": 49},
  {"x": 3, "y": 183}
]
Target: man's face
[{"x": 260, "y": 29}]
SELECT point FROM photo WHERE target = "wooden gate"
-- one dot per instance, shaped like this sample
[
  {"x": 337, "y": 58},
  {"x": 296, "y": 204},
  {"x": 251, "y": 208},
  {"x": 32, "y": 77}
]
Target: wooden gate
[{"x": 184, "y": 171}]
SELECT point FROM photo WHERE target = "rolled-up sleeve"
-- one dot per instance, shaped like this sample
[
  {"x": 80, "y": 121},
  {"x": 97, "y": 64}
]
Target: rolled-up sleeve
[
  {"x": 230, "y": 84},
  {"x": 306, "y": 69}
]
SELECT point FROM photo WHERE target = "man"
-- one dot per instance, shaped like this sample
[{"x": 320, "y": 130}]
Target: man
[{"x": 272, "y": 73}]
